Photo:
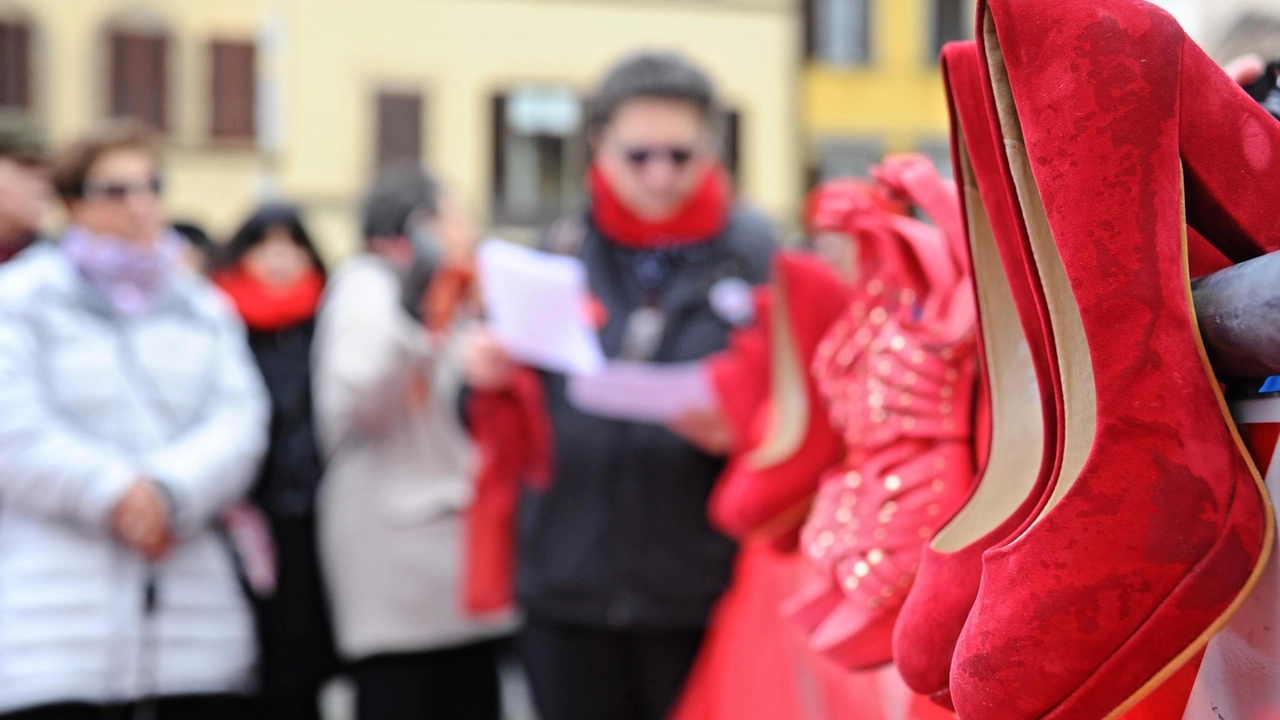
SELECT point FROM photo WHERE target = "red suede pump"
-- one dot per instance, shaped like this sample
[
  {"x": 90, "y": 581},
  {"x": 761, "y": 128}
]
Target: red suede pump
[
  {"x": 1113, "y": 122},
  {"x": 1023, "y": 448}
]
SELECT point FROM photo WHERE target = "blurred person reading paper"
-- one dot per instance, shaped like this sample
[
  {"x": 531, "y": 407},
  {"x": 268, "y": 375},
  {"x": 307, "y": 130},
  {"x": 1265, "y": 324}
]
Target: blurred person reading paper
[
  {"x": 272, "y": 273},
  {"x": 618, "y": 567},
  {"x": 400, "y": 467},
  {"x": 133, "y": 414}
]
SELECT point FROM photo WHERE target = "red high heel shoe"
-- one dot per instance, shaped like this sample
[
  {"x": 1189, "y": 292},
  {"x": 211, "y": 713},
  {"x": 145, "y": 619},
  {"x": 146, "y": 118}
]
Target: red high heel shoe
[
  {"x": 1023, "y": 438},
  {"x": 768, "y": 489},
  {"x": 1158, "y": 523}
]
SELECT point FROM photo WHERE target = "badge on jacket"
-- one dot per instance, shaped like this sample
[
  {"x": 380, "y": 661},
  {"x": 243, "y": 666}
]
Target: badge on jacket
[{"x": 732, "y": 300}]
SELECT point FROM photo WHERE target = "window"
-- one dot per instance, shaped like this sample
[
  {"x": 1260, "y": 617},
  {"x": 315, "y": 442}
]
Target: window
[
  {"x": 15, "y": 65},
  {"x": 234, "y": 93},
  {"x": 847, "y": 157},
  {"x": 399, "y": 128},
  {"x": 730, "y": 153},
  {"x": 139, "y": 82},
  {"x": 539, "y": 155},
  {"x": 838, "y": 32},
  {"x": 951, "y": 20}
]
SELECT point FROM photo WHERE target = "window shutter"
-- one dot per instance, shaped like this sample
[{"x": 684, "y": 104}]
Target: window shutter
[
  {"x": 732, "y": 154},
  {"x": 15, "y": 65},
  {"x": 949, "y": 24},
  {"x": 140, "y": 78},
  {"x": 809, "y": 19},
  {"x": 841, "y": 31},
  {"x": 399, "y": 128},
  {"x": 499, "y": 130},
  {"x": 234, "y": 91}
]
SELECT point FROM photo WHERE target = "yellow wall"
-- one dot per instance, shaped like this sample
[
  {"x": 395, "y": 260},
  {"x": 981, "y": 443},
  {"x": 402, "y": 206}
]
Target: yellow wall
[
  {"x": 896, "y": 98},
  {"x": 335, "y": 55}
]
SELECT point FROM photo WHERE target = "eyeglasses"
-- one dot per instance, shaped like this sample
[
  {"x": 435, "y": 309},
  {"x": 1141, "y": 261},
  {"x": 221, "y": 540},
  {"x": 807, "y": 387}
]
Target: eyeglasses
[
  {"x": 118, "y": 192},
  {"x": 678, "y": 156}
]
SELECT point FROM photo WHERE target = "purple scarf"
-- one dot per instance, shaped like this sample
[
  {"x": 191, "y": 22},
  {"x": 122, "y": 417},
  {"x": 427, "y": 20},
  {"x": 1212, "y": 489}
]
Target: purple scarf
[{"x": 132, "y": 277}]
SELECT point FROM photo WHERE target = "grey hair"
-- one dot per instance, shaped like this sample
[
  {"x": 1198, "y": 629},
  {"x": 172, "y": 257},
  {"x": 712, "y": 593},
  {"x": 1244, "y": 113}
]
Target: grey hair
[{"x": 657, "y": 75}]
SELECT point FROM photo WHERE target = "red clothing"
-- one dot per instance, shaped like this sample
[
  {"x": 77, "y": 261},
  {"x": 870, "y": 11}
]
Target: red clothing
[
  {"x": 271, "y": 307},
  {"x": 513, "y": 434},
  {"x": 10, "y": 250},
  {"x": 754, "y": 666},
  {"x": 702, "y": 217}
]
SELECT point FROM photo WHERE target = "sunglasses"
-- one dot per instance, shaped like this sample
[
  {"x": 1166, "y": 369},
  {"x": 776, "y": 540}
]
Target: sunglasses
[
  {"x": 676, "y": 155},
  {"x": 118, "y": 192}
]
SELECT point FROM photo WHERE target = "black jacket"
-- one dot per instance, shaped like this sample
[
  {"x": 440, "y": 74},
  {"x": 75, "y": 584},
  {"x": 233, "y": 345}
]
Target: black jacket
[
  {"x": 293, "y": 625},
  {"x": 621, "y": 538},
  {"x": 291, "y": 470}
]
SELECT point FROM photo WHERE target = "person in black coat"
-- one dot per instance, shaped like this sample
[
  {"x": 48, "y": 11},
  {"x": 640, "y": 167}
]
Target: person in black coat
[
  {"x": 618, "y": 566},
  {"x": 274, "y": 276}
]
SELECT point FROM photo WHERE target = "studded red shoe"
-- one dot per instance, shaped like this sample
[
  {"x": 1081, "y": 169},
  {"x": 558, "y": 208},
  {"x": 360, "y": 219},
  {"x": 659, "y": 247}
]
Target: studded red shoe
[
  {"x": 1113, "y": 122},
  {"x": 1023, "y": 443},
  {"x": 897, "y": 370}
]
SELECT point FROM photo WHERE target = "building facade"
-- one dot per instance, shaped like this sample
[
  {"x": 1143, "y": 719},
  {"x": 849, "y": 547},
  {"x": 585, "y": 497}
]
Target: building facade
[
  {"x": 871, "y": 82},
  {"x": 304, "y": 99}
]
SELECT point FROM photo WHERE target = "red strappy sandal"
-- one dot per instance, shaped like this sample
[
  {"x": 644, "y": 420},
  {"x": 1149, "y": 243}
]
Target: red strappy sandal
[{"x": 898, "y": 370}]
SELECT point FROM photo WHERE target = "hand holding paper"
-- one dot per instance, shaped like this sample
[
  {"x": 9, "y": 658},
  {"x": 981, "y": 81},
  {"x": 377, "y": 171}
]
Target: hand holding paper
[
  {"x": 643, "y": 392},
  {"x": 536, "y": 305}
]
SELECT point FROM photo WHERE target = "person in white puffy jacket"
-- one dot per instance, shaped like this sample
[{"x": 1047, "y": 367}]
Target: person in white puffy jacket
[{"x": 131, "y": 415}]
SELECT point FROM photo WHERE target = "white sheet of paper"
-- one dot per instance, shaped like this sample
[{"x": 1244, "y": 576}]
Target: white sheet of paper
[
  {"x": 536, "y": 304},
  {"x": 642, "y": 392}
]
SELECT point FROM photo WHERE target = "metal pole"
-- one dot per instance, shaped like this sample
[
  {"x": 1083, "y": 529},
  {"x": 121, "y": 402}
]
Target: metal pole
[{"x": 1239, "y": 313}]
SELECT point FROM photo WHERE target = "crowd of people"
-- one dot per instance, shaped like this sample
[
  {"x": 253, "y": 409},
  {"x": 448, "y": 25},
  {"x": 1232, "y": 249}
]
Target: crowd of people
[{"x": 230, "y": 473}]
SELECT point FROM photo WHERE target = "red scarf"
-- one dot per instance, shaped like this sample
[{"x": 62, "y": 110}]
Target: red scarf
[
  {"x": 271, "y": 307},
  {"x": 513, "y": 433},
  {"x": 701, "y": 217}
]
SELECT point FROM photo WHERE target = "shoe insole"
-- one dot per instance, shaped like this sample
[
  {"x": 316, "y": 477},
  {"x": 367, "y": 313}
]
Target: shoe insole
[
  {"x": 1017, "y": 425},
  {"x": 789, "y": 399},
  {"x": 1075, "y": 365}
]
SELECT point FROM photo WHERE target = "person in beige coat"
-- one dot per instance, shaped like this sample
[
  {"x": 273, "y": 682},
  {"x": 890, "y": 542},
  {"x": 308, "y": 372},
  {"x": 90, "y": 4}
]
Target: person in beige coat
[{"x": 399, "y": 475}]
